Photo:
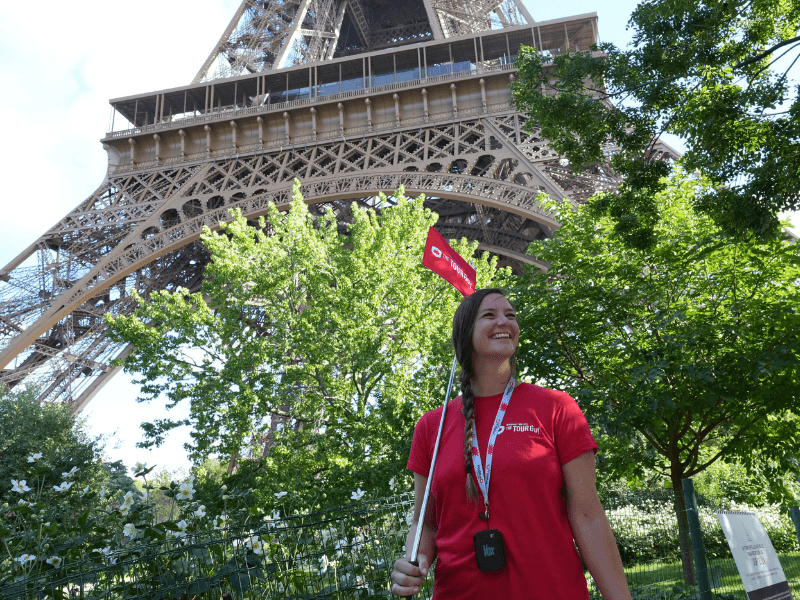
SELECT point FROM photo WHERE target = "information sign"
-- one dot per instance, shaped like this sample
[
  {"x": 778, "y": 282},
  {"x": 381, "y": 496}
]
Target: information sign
[{"x": 755, "y": 557}]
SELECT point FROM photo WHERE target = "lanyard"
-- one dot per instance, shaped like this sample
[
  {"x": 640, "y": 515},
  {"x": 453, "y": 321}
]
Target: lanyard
[{"x": 483, "y": 481}]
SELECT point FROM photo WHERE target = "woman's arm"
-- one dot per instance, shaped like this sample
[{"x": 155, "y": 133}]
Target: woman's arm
[
  {"x": 406, "y": 578},
  {"x": 591, "y": 530}
]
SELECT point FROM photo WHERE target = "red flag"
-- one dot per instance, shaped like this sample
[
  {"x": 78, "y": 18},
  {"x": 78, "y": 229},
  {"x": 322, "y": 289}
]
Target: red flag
[{"x": 440, "y": 258}]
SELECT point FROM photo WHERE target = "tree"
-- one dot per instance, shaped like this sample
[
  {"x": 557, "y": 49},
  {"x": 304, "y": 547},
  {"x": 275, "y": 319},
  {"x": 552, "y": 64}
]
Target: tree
[
  {"x": 309, "y": 350},
  {"x": 679, "y": 355},
  {"x": 714, "y": 73},
  {"x": 45, "y": 446}
]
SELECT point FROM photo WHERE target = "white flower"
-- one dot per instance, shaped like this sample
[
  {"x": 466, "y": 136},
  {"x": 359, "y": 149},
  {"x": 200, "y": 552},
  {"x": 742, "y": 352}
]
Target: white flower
[
  {"x": 280, "y": 495},
  {"x": 324, "y": 563},
  {"x": 139, "y": 467},
  {"x": 328, "y": 534},
  {"x": 182, "y": 525},
  {"x": 392, "y": 484},
  {"x": 54, "y": 560},
  {"x": 106, "y": 550},
  {"x": 23, "y": 503},
  {"x": 224, "y": 488},
  {"x": 34, "y": 457},
  {"x": 220, "y": 521},
  {"x": 25, "y": 558},
  {"x": 256, "y": 545},
  {"x": 69, "y": 473},
  {"x": 275, "y": 516},
  {"x": 201, "y": 511},
  {"x": 127, "y": 502},
  {"x": 185, "y": 491},
  {"x": 19, "y": 486},
  {"x": 65, "y": 485},
  {"x": 84, "y": 491},
  {"x": 358, "y": 494},
  {"x": 409, "y": 518},
  {"x": 103, "y": 493},
  {"x": 129, "y": 531}
]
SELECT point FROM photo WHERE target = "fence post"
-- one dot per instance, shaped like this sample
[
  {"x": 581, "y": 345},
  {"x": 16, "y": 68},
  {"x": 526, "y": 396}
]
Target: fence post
[
  {"x": 794, "y": 512},
  {"x": 696, "y": 533}
]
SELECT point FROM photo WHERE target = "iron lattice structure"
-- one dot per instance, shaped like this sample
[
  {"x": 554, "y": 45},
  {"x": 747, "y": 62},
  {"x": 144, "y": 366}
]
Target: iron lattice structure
[
  {"x": 352, "y": 97},
  {"x": 270, "y": 34}
]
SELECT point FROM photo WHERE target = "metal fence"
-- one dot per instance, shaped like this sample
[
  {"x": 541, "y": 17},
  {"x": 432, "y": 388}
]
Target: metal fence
[
  {"x": 349, "y": 553},
  {"x": 335, "y": 554}
]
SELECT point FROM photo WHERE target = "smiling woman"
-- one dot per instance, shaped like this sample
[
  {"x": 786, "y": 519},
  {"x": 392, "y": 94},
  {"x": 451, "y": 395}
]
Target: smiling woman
[
  {"x": 495, "y": 337},
  {"x": 545, "y": 480}
]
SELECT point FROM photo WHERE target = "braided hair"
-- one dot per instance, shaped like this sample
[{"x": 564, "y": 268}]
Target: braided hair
[{"x": 463, "y": 327}]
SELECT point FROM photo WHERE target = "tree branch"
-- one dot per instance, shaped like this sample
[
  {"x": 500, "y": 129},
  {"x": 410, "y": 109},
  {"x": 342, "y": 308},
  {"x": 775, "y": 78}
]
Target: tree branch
[{"x": 766, "y": 53}]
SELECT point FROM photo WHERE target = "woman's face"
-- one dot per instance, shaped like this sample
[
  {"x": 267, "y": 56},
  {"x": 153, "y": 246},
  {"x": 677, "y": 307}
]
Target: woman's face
[{"x": 496, "y": 331}]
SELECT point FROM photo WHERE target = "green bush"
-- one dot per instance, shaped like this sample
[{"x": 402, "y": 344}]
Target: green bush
[
  {"x": 166, "y": 544},
  {"x": 647, "y": 529},
  {"x": 170, "y": 541}
]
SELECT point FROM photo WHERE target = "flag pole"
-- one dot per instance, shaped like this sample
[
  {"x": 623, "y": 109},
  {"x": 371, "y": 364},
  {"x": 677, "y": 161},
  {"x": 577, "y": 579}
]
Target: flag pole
[{"x": 421, "y": 523}]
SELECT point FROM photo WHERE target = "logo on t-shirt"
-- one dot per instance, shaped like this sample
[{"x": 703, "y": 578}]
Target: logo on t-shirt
[{"x": 519, "y": 428}]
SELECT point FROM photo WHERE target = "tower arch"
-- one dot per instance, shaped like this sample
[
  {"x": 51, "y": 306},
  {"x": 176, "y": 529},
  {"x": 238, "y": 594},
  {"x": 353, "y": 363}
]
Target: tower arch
[{"x": 425, "y": 106}]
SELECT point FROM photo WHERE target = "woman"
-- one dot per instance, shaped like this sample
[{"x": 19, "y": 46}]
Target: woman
[{"x": 540, "y": 478}]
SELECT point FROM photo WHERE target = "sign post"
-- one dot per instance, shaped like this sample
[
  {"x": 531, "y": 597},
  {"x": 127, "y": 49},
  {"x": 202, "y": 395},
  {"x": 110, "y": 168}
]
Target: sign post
[{"x": 755, "y": 556}]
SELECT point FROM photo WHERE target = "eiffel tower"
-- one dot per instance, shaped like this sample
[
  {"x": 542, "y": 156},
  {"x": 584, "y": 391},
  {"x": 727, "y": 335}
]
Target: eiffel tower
[{"x": 352, "y": 97}]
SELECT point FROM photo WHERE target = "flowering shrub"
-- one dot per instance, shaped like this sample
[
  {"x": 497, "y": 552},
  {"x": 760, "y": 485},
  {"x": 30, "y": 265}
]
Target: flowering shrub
[
  {"x": 109, "y": 538},
  {"x": 124, "y": 547},
  {"x": 648, "y": 529},
  {"x": 127, "y": 547}
]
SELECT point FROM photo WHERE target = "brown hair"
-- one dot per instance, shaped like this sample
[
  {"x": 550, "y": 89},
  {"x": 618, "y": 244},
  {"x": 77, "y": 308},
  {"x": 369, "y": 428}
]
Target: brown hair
[{"x": 463, "y": 327}]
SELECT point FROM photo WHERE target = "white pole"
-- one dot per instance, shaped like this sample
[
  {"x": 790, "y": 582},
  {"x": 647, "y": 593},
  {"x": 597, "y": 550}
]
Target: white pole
[{"x": 421, "y": 523}]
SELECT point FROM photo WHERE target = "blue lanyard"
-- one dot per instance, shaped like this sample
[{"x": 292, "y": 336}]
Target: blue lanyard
[{"x": 483, "y": 481}]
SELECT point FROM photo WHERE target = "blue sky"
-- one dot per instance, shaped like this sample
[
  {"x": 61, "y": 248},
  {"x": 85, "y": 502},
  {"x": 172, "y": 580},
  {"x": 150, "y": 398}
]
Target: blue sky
[{"x": 59, "y": 67}]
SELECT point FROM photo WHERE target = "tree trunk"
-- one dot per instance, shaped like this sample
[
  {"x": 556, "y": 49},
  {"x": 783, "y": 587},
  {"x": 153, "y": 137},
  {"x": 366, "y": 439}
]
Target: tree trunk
[{"x": 684, "y": 538}]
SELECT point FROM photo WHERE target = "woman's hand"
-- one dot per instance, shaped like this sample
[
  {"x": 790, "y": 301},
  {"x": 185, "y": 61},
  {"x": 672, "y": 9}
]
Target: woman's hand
[{"x": 408, "y": 579}]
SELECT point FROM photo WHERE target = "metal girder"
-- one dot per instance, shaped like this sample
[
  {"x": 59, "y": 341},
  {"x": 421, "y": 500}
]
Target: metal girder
[
  {"x": 360, "y": 20},
  {"x": 267, "y": 34},
  {"x": 201, "y": 74},
  {"x": 456, "y": 17},
  {"x": 337, "y": 28}
]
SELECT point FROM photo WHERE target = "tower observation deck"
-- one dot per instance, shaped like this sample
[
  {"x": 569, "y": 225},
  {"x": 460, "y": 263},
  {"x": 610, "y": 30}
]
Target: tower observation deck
[{"x": 351, "y": 97}]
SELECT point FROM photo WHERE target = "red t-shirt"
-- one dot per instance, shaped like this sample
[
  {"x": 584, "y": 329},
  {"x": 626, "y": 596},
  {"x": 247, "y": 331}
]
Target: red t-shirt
[{"x": 542, "y": 431}]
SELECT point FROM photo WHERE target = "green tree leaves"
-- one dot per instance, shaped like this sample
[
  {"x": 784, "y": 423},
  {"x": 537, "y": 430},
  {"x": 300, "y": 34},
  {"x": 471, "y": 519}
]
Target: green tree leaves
[
  {"x": 708, "y": 72},
  {"x": 310, "y": 351},
  {"x": 692, "y": 345},
  {"x": 43, "y": 442}
]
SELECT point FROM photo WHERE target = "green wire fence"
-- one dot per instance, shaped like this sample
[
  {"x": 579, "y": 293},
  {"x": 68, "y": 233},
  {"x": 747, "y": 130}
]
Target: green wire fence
[{"x": 349, "y": 553}]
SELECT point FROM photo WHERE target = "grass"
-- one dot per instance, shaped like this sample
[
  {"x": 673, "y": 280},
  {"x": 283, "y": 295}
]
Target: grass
[{"x": 662, "y": 576}]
